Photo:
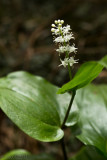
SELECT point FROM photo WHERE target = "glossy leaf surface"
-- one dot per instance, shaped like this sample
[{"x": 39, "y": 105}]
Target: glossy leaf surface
[
  {"x": 89, "y": 153},
  {"x": 86, "y": 73},
  {"x": 32, "y": 103},
  {"x": 92, "y": 103}
]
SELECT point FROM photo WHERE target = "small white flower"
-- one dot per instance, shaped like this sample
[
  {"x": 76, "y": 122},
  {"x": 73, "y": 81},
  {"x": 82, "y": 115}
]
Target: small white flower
[
  {"x": 66, "y": 29},
  {"x": 61, "y": 49},
  {"x": 64, "y": 63},
  {"x": 59, "y": 39},
  {"x": 72, "y": 49},
  {"x": 71, "y": 61},
  {"x": 68, "y": 37},
  {"x": 56, "y": 32}
]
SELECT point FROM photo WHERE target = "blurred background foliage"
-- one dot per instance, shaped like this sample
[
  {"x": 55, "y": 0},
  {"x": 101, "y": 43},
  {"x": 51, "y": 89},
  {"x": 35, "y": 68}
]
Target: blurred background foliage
[{"x": 26, "y": 44}]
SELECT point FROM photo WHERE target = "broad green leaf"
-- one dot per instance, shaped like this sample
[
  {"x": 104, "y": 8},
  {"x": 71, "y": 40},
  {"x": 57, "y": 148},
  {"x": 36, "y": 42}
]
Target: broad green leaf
[
  {"x": 86, "y": 73},
  {"x": 32, "y": 104},
  {"x": 24, "y": 155},
  {"x": 103, "y": 61},
  {"x": 11, "y": 154},
  {"x": 89, "y": 153},
  {"x": 92, "y": 104}
]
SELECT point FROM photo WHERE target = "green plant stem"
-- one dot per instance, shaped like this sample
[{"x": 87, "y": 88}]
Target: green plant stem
[
  {"x": 63, "y": 124},
  {"x": 63, "y": 149},
  {"x": 69, "y": 70},
  {"x": 69, "y": 107}
]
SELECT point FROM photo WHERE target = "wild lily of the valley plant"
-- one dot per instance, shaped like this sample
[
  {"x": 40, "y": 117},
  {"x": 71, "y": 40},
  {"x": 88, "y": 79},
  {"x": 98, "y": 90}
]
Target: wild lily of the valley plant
[{"x": 43, "y": 111}]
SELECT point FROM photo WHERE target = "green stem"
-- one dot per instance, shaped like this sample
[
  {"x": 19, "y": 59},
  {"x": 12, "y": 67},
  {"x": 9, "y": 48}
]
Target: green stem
[
  {"x": 69, "y": 107},
  {"x": 69, "y": 70},
  {"x": 63, "y": 149}
]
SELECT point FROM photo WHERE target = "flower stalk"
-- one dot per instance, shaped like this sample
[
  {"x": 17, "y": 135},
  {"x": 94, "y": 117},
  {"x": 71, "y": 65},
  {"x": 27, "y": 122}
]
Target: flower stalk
[
  {"x": 62, "y": 36},
  {"x": 69, "y": 107}
]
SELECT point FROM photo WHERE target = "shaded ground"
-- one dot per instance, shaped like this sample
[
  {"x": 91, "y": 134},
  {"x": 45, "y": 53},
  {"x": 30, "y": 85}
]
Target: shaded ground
[{"x": 26, "y": 44}]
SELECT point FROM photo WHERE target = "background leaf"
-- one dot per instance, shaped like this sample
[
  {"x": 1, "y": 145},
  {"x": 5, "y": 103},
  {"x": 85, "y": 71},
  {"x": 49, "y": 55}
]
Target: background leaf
[
  {"x": 92, "y": 104},
  {"x": 103, "y": 61},
  {"x": 86, "y": 73},
  {"x": 24, "y": 155},
  {"x": 32, "y": 104},
  {"x": 17, "y": 152},
  {"x": 89, "y": 153}
]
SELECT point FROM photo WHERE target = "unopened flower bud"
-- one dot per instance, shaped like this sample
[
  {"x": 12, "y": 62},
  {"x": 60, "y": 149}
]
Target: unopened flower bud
[
  {"x": 52, "y": 30},
  {"x": 56, "y": 21},
  {"x": 59, "y": 20},
  {"x": 62, "y": 21},
  {"x": 60, "y": 25},
  {"x": 53, "y": 25}
]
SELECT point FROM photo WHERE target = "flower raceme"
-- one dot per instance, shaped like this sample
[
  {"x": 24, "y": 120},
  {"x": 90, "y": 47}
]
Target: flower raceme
[{"x": 62, "y": 36}]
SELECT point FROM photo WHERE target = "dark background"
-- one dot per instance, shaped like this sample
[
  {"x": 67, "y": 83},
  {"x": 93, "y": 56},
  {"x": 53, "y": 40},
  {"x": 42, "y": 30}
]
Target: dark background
[{"x": 26, "y": 44}]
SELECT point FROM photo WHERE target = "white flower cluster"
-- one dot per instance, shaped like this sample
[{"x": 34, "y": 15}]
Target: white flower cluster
[
  {"x": 70, "y": 60},
  {"x": 62, "y": 36}
]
